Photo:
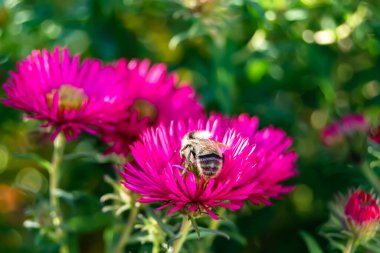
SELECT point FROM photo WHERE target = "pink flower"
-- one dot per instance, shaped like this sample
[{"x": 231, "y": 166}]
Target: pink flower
[
  {"x": 154, "y": 97},
  {"x": 352, "y": 123},
  {"x": 363, "y": 214},
  {"x": 332, "y": 134},
  {"x": 69, "y": 96},
  {"x": 255, "y": 164},
  {"x": 348, "y": 125}
]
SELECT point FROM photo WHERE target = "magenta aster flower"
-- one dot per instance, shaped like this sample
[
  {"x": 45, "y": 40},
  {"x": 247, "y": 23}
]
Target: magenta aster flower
[
  {"x": 363, "y": 214},
  {"x": 362, "y": 207},
  {"x": 154, "y": 97},
  {"x": 255, "y": 165},
  {"x": 69, "y": 96}
]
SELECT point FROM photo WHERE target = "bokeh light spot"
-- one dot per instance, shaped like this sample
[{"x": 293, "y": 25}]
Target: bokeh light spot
[
  {"x": 9, "y": 198},
  {"x": 29, "y": 179},
  {"x": 51, "y": 29},
  {"x": 270, "y": 15},
  {"x": 308, "y": 36},
  {"x": 302, "y": 198},
  {"x": 370, "y": 89},
  {"x": 324, "y": 37},
  {"x": 318, "y": 119},
  {"x": 295, "y": 14}
]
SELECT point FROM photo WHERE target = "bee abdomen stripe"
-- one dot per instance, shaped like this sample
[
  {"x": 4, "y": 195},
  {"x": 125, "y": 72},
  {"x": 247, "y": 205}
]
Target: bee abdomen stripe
[
  {"x": 210, "y": 166},
  {"x": 210, "y": 157}
]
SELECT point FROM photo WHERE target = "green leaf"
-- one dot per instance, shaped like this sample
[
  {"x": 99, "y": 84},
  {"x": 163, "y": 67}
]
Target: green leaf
[
  {"x": 195, "y": 226},
  {"x": 311, "y": 243},
  {"x": 233, "y": 232},
  {"x": 108, "y": 237},
  {"x": 372, "y": 247},
  {"x": 204, "y": 232},
  {"x": 34, "y": 157}
]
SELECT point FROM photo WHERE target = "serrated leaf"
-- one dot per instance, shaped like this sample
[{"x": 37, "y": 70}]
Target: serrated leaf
[
  {"x": 311, "y": 243},
  {"x": 34, "y": 157}
]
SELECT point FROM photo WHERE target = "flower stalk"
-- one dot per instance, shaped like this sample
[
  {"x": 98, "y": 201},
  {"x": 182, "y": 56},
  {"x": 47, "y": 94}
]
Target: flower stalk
[
  {"x": 128, "y": 228},
  {"x": 349, "y": 247},
  {"x": 156, "y": 245},
  {"x": 185, "y": 228},
  {"x": 214, "y": 225},
  {"x": 59, "y": 146}
]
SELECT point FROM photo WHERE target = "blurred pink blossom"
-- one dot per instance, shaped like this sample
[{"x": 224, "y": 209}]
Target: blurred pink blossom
[
  {"x": 68, "y": 95},
  {"x": 335, "y": 132},
  {"x": 154, "y": 98}
]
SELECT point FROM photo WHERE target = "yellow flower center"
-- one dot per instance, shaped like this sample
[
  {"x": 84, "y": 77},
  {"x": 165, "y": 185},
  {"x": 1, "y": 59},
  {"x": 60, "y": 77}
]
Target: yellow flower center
[
  {"x": 70, "y": 97},
  {"x": 145, "y": 108}
]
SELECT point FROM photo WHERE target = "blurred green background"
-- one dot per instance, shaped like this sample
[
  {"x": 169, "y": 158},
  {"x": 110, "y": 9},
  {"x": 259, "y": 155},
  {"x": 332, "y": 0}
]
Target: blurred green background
[{"x": 296, "y": 64}]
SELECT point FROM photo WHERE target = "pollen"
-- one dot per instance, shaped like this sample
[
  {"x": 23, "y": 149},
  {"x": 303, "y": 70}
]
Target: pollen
[{"x": 70, "y": 97}]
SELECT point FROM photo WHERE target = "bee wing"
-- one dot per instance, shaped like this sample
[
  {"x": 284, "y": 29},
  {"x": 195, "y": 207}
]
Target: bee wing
[
  {"x": 222, "y": 146},
  {"x": 211, "y": 145}
]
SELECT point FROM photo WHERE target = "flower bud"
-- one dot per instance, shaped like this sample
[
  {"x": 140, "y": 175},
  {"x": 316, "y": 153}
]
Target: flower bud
[
  {"x": 375, "y": 135},
  {"x": 362, "y": 215}
]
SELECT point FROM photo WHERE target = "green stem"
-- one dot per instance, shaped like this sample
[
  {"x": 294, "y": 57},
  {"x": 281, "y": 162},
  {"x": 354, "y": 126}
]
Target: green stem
[
  {"x": 371, "y": 176},
  {"x": 127, "y": 229},
  {"x": 156, "y": 245},
  {"x": 59, "y": 147},
  {"x": 185, "y": 227},
  {"x": 214, "y": 225},
  {"x": 349, "y": 246}
]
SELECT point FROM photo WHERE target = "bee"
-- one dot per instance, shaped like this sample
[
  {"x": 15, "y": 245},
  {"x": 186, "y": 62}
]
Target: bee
[{"x": 207, "y": 155}]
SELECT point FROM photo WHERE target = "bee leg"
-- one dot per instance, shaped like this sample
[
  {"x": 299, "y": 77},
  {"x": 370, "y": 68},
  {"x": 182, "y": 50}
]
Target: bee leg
[
  {"x": 185, "y": 167},
  {"x": 188, "y": 160}
]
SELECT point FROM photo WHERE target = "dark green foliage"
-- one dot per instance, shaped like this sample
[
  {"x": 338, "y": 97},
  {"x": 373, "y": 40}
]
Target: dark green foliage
[{"x": 296, "y": 64}]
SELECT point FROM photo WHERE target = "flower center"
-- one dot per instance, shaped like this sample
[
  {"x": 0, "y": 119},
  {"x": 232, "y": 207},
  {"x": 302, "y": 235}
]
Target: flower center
[
  {"x": 70, "y": 97},
  {"x": 145, "y": 109}
]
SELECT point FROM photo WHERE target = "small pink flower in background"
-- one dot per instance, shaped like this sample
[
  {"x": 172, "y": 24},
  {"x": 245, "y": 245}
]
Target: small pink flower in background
[
  {"x": 70, "y": 96},
  {"x": 332, "y": 134},
  {"x": 363, "y": 214},
  {"x": 352, "y": 123},
  {"x": 154, "y": 98},
  {"x": 337, "y": 131},
  {"x": 256, "y": 162},
  {"x": 375, "y": 135}
]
